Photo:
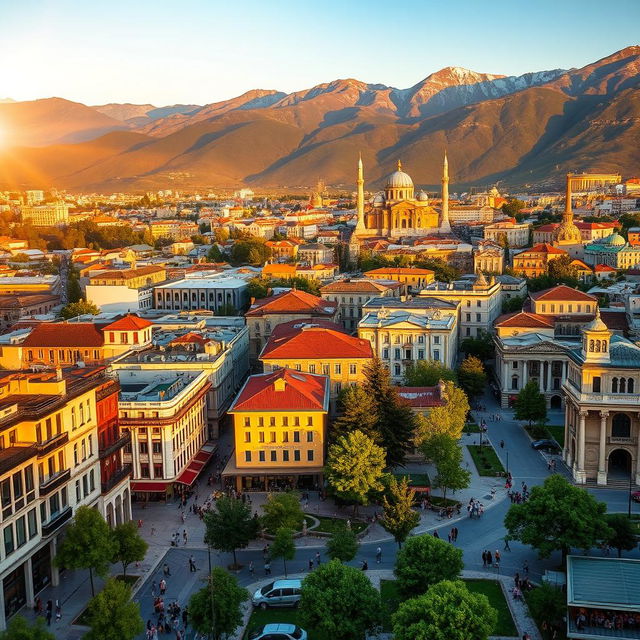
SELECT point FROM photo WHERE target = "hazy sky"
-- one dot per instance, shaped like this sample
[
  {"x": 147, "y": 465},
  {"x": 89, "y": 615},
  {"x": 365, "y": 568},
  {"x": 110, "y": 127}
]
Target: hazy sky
[{"x": 200, "y": 51}]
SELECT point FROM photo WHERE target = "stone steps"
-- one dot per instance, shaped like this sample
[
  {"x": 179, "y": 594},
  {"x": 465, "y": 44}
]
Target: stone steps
[{"x": 612, "y": 484}]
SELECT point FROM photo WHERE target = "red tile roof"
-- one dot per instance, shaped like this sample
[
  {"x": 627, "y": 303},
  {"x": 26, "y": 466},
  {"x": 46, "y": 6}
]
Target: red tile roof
[
  {"x": 294, "y": 301},
  {"x": 562, "y": 293},
  {"x": 525, "y": 320},
  {"x": 360, "y": 286},
  {"x": 421, "y": 397},
  {"x": 543, "y": 247},
  {"x": 299, "y": 391},
  {"x": 603, "y": 267},
  {"x": 398, "y": 271},
  {"x": 318, "y": 340},
  {"x": 63, "y": 334},
  {"x": 128, "y": 323}
]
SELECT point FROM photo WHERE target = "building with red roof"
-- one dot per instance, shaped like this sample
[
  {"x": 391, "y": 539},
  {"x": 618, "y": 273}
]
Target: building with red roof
[
  {"x": 534, "y": 262},
  {"x": 411, "y": 276},
  {"x": 280, "y": 423}
]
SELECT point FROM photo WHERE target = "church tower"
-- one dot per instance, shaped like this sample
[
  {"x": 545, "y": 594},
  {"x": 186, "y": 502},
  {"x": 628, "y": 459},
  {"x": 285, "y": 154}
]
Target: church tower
[
  {"x": 360, "y": 198},
  {"x": 445, "y": 227}
]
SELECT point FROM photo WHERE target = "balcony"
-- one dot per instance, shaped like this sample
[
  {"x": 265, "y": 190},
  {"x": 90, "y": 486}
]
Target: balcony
[
  {"x": 116, "y": 478},
  {"x": 53, "y": 525},
  {"x": 54, "y": 482},
  {"x": 53, "y": 443},
  {"x": 609, "y": 399},
  {"x": 122, "y": 441}
]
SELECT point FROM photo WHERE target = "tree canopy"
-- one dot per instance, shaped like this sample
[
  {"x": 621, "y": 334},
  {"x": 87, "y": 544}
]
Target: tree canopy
[
  {"x": 399, "y": 517},
  {"x": 343, "y": 545},
  {"x": 472, "y": 376},
  {"x": 282, "y": 510},
  {"x": 112, "y": 615},
  {"x": 249, "y": 250},
  {"x": 129, "y": 545},
  {"x": 530, "y": 404},
  {"x": 229, "y": 525},
  {"x": 283, "y": 546},
  {"x": 427, "y": 373},
  {"x": 19, "y": 628},
  {"x": 622, "y": 536},
  {"x": 513, "y": 304},
  {"x": 448, "y": 419},
  {"x": 358, "y": 412},
  {"x": 480, "y": 346},
  {"x": 79, "y": 308},
  {"x": 558, "y": 517}
]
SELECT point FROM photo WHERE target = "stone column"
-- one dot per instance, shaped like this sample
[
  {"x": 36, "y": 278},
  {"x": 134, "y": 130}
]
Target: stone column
[
  {"x": 55, "y": 572},
  {"x": 566, "y": 452},
  {"x": 28, "y": 583},
  {"x": 637, "y": 450},
  {"x": 579, "y": 473},
  {"x": 602, "y": 449},
  {"x": 546, "y": 366},
  {"x": 525, "y": 372}
]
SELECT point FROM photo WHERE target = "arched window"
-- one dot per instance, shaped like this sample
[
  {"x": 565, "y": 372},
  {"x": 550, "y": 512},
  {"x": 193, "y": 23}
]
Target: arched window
[
  {"x": 621, "y": 426},
  {"x": 591, "y": 345},
  {"x": 597, "y": 346},
  {"x": 604, "y": 346},
  {"x": 614, "y": 385},
  {"x": 630, "y": 383},
  {"x": 623, "y": 385}
]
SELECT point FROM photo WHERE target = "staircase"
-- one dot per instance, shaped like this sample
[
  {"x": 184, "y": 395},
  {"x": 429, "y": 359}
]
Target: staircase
[{"x": 615, "y": 483}]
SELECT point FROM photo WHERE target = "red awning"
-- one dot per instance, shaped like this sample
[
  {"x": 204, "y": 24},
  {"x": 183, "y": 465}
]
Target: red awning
[
  {"x": 188, "y": 476},
  {"x": 196, "y": 465},
  {"x": 159, "y": 487},
  {"x": 203, "y": 456}
]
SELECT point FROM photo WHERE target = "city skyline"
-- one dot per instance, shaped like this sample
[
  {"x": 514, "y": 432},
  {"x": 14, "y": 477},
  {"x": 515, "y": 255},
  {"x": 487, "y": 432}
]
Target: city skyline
[{"x": 204, "y": 52}]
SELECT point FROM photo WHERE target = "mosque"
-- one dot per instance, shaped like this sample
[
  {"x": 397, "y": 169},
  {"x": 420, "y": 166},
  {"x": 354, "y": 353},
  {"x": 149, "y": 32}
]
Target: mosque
[{"x": 396, "y": 212}]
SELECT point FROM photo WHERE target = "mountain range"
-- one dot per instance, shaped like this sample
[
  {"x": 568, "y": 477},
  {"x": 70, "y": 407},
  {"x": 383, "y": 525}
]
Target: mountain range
[{"x": 514, "y": 129}]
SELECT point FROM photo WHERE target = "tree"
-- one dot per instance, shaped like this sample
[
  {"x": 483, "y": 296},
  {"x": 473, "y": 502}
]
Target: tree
[
  {"x": 396, "y": 420},
  {"x": 622, "y": 536},
  {"x": 342, "y": 545},
  {"x": 480, "y": 346},
  {"x": 530, "y": 404},
  {"x": 448, "y": 611},
  {"x": 358, "y": 411},
  {"x": 283, "y": 546},
  {"x": 112, "y": 615},
  {"x": 548, "y": 604},
  {"x": 227, "y": 309},
  {"x": 129, "y": 545},
  {"x": 448, "y": 419},
  {"x": 21, "y": 629},
  {"x": 561, "y": 270},
  {"x": 398, "y": 517},
  {"x": 450, "y": 473},
  {"x": 423, "y": 561},
  {"x": 513, "y": 304},
  {"x": 258, "y": 288},
  {"x": 472, "y": 376},
  {"x": 214, "y": 254},
  {"x": 427, "y": 373},
  {"x": 74, "y": 290},
  {"x": 443, "y": 272},
  {"x": 88, "y": 544},
  {"x": 339, "y": 602},
  {"x": 513, "y": 206},
  {"x": 282, "y": 510},
  {"x": 249, "y": 250},
  {"x": 355, "y": 466},
  {"x": 225, "y": 596},
  {"x": 229, "y": 526},
  {"x": 557, "y": 516},
  {"x": 79, "y": 308}
]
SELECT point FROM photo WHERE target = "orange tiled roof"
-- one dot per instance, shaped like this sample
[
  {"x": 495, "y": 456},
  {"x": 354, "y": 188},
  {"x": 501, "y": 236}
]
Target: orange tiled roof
[
  {"x": 420, "y": 397},
  {"x": 399, "y": 271},
  {"x": 294, "y": 301},
  {"x": 599, "y": 268},
  {"x": 525, "y": 320},
  {"x": 562, "y": 293},
  {"x": 279, "y": 268},
  {"x": 63, "y": 334},
  {"x": 543, "y": 247},
  {"x": 128, "y": 323},
  {"x": 301, "y": 391}
]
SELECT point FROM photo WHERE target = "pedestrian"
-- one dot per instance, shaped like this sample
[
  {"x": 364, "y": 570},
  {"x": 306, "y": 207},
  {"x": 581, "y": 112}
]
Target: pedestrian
[
  {"x": 153, "y": 530},
  {"x": 265, "y": 551},
  {"x": 37, "y": 606},
  {"x": 153, "y": 589},
  {"x": 455, "y": 534},
  {"x": 163, "y": 586},
  {"x": 267, "y": 568},
  {"x": 310, "y": 564},
  {"x": 58, "y": 610},
  {"x": 185, "y": 617},
  {"x": 166, "y": 570},
  {"x": 317, "y": 558},
  {"x": 502, "y": 444},
  {"x": 484, "y": 559},
  {"x": 525, "y": 568},
  {"x": 489, "y": 558},
  {"x": 184, "y": 536},
  {"x": 435, "y": 534},
  {"x": 497, "y": 558},
  {"x": 378, "y": 555},
  {"x": 365, "y": 565},
  {"x": 192, "y": 564},
  {"x": 506, "y": 544},
  {"x": 251, "y": 568},
  {"x": 49, "y": 612}
]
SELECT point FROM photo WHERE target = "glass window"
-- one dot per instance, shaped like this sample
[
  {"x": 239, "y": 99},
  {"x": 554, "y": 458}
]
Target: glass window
[
  {"x": 285, "y": 456},
  {"x": 32, "y": 521},
  {"x": 17, "y": 485},
  {"x": 247, "y": 456},
  {"x": 296, "y": 436},
  {"x": 309, "y": 436},
  {"x": 310, "y": 455},
  {"x": 296, "y": 455},
  {"x": 261, "y": 456},
  {"x": 274, "y": 456},
  {"x": 8, "y": 540},
  {"x": 21, "y": 531}
]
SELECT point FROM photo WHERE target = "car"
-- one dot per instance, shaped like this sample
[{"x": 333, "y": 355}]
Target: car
[
  {"x": 281, "y": 593},
  {"x": 546, "y": 445},
  {"x": 635, "y": 496},
  {"x": 278, "y": 631}
]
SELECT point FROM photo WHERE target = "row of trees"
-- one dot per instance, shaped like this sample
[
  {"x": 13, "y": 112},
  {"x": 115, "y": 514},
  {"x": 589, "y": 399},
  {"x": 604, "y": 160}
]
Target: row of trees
[{"x": 443, "y": 272}]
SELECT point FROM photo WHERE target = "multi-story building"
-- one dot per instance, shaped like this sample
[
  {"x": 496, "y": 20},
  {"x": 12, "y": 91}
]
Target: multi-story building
[
  {"x": 614, "y": 251},
  {"x": 176, "y": 229},
  {"x": 50, "y": 464},
  {"x": 402, "y": 332},
  {"x": 315, "y": 253},
  {"x": 602, "y": 426},
  {"x": 267, "y": 313},
  {"x": 199, "y": 292},
  {"x": 318, "y": 347},
  {"x": 283, "y": 249},
  {"x": 15, "y": 307},
  {"x": 512, "y": 287},
  {"x": 480, "y": 302},
  {"x": 165, "y": 413},
  {"x": 46, "y": 215},
  {"x": 513, "y": 234},
  {"x": 280, "y": 424},
  {"x": 51, "y": 285},
  {"x": 414, "y": 278},
  {"x": 534, "y": 262},
  {"x": 350, "y": 295},
  {"x": 462, "y": 214},
  {"x": 589, "y": 231}
]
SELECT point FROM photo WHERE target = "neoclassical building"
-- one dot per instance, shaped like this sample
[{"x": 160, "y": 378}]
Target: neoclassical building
[{"x": 602, "y": 423}]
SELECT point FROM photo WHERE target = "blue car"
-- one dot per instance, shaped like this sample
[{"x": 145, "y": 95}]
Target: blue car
[
  {"x": 546, "y": 445},
  {"x": 279, "y": 631}
]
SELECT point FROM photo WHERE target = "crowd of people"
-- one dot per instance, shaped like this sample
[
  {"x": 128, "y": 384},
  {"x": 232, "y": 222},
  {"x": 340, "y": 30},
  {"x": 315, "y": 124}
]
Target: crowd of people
[
  {"x": 174, "y": 620},
  {"x": 606, "y": 619}
]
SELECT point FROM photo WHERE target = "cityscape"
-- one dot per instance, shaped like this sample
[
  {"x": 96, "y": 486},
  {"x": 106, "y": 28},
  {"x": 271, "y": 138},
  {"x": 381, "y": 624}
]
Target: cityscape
[{"x": 291, "y": 355}]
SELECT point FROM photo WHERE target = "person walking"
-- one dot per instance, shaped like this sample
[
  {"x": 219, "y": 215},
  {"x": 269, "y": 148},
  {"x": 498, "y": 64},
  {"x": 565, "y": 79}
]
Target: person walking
[
  {"x": 506, "y": 544},
  {"x": 184, "y": 536},
  {"x": 365, "y": 565},
  {"x": 49, "y": 612},
  {"x": 267, "y": 567},
  {"x": 317, "y": 558},
  {"x": 484, "y": 559},
  {"x": 378, "y": 555},
  {"x": 166, "y": 570},
  {"x": 489, "y": 558},
  {"x": 497, "y": 558},
  {"x": 435, "y": 534},
  {"x": 502, "y": 444},
  {"x": 251, "y": 568},
  {"x": 310, "y": 564},
  {"x": 58, "y": 611},
  {"x": 163, "y": 586},
  {"x": 153, "y": 589},
  {"x": 525, "y": 568},
  {"x": 192, "y": 564}
]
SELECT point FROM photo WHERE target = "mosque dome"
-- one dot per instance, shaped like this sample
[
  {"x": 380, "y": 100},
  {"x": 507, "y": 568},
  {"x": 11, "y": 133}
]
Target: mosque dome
[
  {"x": 422, "y": 196},
  {"x": 616, "y": 240},
  {"x": 378, "y": 199},
  {"x": 568, "y": 232},
  {"x": 399, "y": 179}
]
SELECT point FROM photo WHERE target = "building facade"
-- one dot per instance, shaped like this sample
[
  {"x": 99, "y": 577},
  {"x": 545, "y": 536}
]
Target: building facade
[{"x": 202, "y": 293}]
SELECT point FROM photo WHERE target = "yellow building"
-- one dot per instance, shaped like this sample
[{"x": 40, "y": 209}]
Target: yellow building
[
  {"x": 412, "y": 277},
  {"x": 534, "y": 262},
  {"x": 280, "y": 424},
  {"x": 46, "y": 215},
  {"x": 131, "y": 278}
]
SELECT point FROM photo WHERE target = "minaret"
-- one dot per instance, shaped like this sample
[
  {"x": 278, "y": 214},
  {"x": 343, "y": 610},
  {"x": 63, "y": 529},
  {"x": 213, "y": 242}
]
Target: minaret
[
  {"x": 360, "y": 197},
  {"x": 445, "y": 227},
  {"x": 568, "y": 211}
]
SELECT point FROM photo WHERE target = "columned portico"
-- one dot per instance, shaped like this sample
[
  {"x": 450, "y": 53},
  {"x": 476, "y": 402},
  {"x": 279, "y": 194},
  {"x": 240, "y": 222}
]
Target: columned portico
[
  {"x": 579, "y": 473},
  {"x": 602, "y": 449}
]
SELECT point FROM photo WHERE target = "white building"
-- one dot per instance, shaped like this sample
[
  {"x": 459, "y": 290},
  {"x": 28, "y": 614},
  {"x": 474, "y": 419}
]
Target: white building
[{"x": 198, "y": 291}]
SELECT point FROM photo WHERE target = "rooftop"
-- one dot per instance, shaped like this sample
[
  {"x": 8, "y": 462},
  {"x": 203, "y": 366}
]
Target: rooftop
[
  {"x": 207, "y": 281},
  {"x": 294, "y": 301},
  {"x": 65, "y": 334},
  {"x": 427, "y": 302},
  {"x": 562, "y": 293},
  {"x": 359, "y": 286},
  {"x": 421, "y": 397},
  {"x": 525, "y": 320},
  {"x": 153, "y": 386}
]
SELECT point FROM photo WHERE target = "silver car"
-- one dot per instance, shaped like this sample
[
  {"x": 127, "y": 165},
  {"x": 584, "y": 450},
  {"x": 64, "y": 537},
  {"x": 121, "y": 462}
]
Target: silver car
[
  {"x": 281, "y": 593},
  {"x": 278, "y": 631}
]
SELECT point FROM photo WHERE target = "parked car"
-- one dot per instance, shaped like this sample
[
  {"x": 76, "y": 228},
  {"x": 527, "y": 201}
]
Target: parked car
[
  {"x": 281, "y": 593},
  {"x": 546, "y": 445},
  {"x": 278, "y": 631},
  {"x": 635, "y": 496}
]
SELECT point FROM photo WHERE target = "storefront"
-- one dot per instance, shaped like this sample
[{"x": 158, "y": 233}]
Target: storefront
[{"x": 15, "y": 591}]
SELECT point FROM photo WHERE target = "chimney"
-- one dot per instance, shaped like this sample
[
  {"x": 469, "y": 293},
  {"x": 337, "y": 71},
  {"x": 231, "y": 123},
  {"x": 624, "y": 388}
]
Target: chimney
[
  {"x": 59, "y": 374},
  {"x": 252, "y": 300},
  {"x": 279, "y": 384}
]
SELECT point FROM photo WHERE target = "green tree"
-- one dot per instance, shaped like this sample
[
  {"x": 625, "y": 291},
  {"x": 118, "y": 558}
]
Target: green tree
[
  {"x": 343, "y": 545},
  {"x": 225, "y": 596},
  {"x": 561, "y": 270},
  {"x": 282, "y": 510},
  {"x": 249, "y": 250},
  {"x": 396, "y": 420},
  {"x": 448, "y": 419},
  {"x": 74, "y": 290},
  {"x": 530, "y": 404},
  {"x": 480, "y": 346},
  {"x": 450, "y": 472},
  {"x": 227, "y": 310},
  {"x": 558, "y": 517},
  {"x": 358, "y": 412},
  {"x": 548, "y": 604},
  {"x": 88, "y": 544},
  {"x": 472, "y": 376},
  {"x": 229, "y": 526},
  {"x": 339, "y": 602},
  {"x": 427, "y": 373},
  {"x": 513, "y": 304},
  {"x": 513, "y": 206},
  {"x": 283, "y": 546},
  {"x": 424, "y": 561},
  {"x": 221, "y": 235},
  {"x": 129, "y": 545},
  {"x": 355, "y": 466},
  {"x": 258, "y": 288},
  {"x": 214, "y": 254},
  {"x": 399, "y": 517},
  {"x": 80, "y": 308},
  {"x": 443, "y": 272},
  {"x": 21, "y": 629},
  {"x": 448, "y": 611},
  {"x": 112, "y": 615},
  {"x": 622, "y": 536}
]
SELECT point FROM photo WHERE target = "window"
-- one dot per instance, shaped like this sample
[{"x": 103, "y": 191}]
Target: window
[
  {"x": 310, "y": 455},
  {"x": 247, "y": 456},
  {"x": 515, "y": 364},
  {"x": 420, "y": 354},
  {"x": 436, "y": 339},
  {"x": 21, "y": 532},
  {"x": 309, "y": 436},
  {"x": 353, "y": 369},
  {"x": 272, "y": 436},
  {"x": 285, "y": 436},
  {"x": 261, "y": 436},
  {"x": 436, "y": 354},
  {"x": 296, "y": 421},
  {"x": 468, "y": 317},
  {"x": 478, "y": 317},
  {"x": 385, "y": 354},
  {"x": 296, "y": 455},
  {"x": 8, "y": 540},
  {"x": 285, "y": 456},
  {"x": 144, "y": 447},
  {"x": 478, "y": 303},
  {"x": 621, "y": 426},
  {"x": 514, "y": 383},
  {"x": 396, "y": 354},
  {"x": 157, "y": 447},
  {"x": 337, "y": 368},
  {"x": 247, "y": 422},
  {"x": 596, "y": 384},
  {"x": 32, "y": 521},
  {"x": 92, "y": 482},
  {"x": 396, "y": 369},
  {"x": 274, "y": 456},
  {"x": 312, "y": 368},
  {"x": 78, "y": 494},
  {"x": 614, "y": 385},
  {"x": 261, "y": 456},
  {"x": 309, "y": 421},
  {"x": 272, "y": 421},
  {"x": 296, "y": 436}
]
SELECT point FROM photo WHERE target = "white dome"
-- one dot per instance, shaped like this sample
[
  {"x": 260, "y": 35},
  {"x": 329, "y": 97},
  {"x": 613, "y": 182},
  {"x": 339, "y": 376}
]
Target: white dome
[
  {"x": 399, "y": 179},
  {"x": 378, "y": 199},
  {"x": 616, "y": 240},
  {"x": 422, "y": 196}
]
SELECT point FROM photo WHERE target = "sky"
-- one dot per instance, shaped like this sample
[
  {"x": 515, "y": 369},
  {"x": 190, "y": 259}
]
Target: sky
[{"x": 202, "y": 51}]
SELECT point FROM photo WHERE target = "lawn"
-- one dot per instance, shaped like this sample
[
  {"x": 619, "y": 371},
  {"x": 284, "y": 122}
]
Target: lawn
[
  {"x": 557, "y": 433},
  {"x": 415, "y": 479},
  {"x": 331, "y": 525},
  {"x": 485, "y": 459},
  {"x": 546, "y": 431},
  {"x": 391, "y": 600},
  {"x": 270, "y": 616},
  {"x": 471, "y": 427}
]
